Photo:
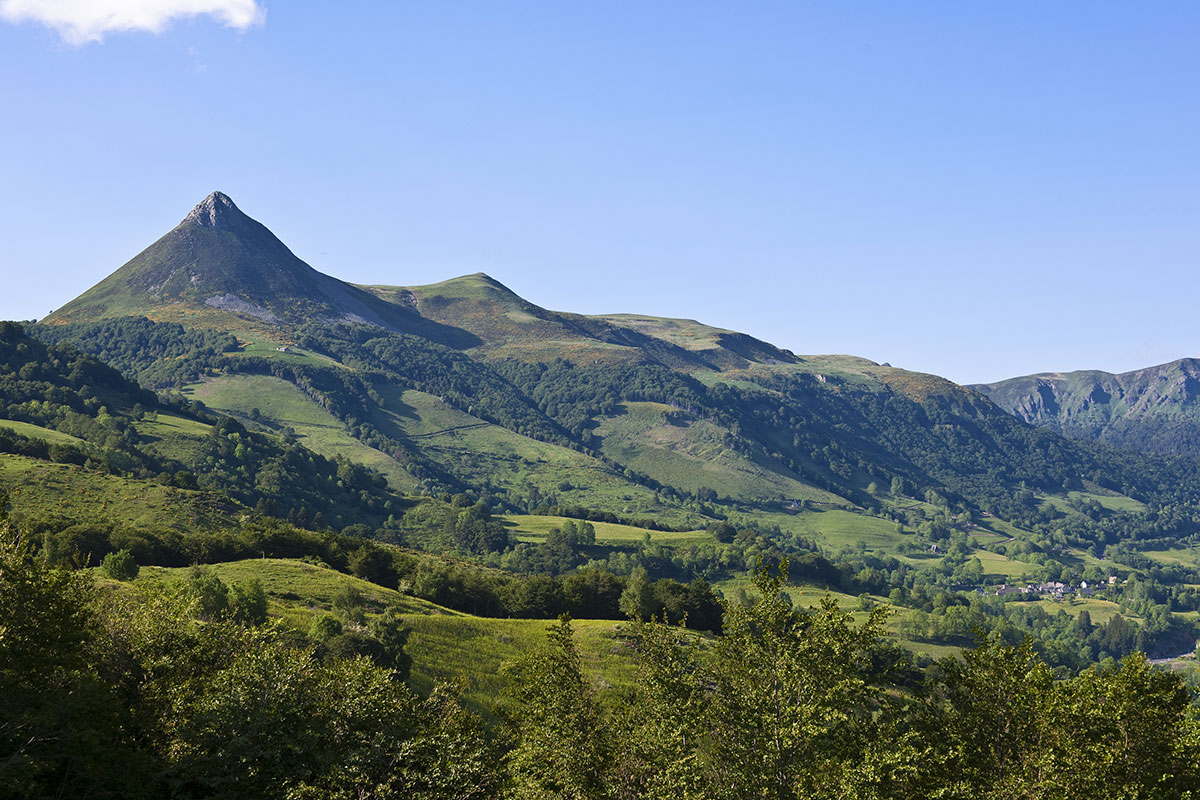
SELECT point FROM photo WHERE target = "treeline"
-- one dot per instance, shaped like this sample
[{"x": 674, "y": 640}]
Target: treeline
[
  {"x": 591, "y": 593},
  {"x": 125, "y": 696}
]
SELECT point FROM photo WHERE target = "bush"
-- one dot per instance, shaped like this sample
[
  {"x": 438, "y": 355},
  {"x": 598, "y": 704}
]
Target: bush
[
  {"x": 248, "y": 603},
  {"x": 209, "y": 593},
  {"x": 120, "y": 566}
]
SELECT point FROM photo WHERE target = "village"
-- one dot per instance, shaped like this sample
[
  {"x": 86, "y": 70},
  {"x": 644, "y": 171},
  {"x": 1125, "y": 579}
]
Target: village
[{"x": 1054, "y": 590}]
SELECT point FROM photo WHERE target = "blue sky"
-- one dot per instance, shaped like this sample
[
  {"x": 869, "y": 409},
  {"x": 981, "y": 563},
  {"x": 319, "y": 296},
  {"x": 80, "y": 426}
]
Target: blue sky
[{"x": 975, "y": 190}]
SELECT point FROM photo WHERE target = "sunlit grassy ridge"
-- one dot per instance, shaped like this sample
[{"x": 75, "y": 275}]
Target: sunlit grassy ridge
[
  {"x": 283, "y": 405},
  {"x": 445, "y": 645},
  {"x": 38, "y": 432},
  {"x": 40, "y": 489},
  {"x": 679, "y": 450},
  {"x": 533, "y": 528}
]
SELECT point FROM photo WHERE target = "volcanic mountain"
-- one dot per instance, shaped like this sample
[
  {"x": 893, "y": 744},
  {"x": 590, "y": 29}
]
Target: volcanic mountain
[{"x": 219, "y": 259}]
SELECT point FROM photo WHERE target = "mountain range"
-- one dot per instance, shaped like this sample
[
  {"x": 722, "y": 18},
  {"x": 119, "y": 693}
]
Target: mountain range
[
  {"x": 464, "y": 387},
  {"x": 1154, "y": 410}
]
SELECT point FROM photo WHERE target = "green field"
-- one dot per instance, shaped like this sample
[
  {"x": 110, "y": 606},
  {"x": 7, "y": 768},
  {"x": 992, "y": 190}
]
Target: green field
[
  {"x": 286, "y": 406},
  {"x": 255, "y": 343},
  {"x": 40, "y": 489},
  {"x": 486, "y": 454},
  {"x": 531, "y": 528},
  {"x": 38, "y": 432},
  {"x": 1109, "y": 500},
  {"x": 445, "y": 644},
  {"x": 837, "y": 528},
  {"x": 996, "y": 564},
  {"x": 1188, "y": 556},
  {"x": 1100, "y": 611},
  {"x": 678, "y": 450}
]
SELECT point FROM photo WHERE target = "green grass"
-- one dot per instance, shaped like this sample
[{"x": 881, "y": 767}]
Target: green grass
[
  {"x": 838, "y": 528},
  {"x": 996, "y": 564},
  {"x": 38, "y": 489},
  {"x": 475, "y": 648},
  {"x": 530, "y": 528},
  {"x": 691, "y": 453},
  {"x": 283, "y": 404},
  {"x": 1100, "y": 611},
  {"x": 1110, "y": 501},
  {"x": 687, "y": 333},
  {"x": 38, "y": 432},
  {"x": 256, "y": 343},
  {"x": 297, "y": 591},
  {"x": 174, "y": 437},
  {"x": 1188, "y": 556},
  {"x": 445, "y": 645},
  {"x": 486, "y": 454},
  {"x": 172, "y": 425}
]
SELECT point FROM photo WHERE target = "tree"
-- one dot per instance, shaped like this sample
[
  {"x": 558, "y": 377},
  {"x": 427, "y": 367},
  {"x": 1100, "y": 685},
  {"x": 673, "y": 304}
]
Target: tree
[
  {"x": 392, "y": 634},
  {"x": 791, "y": 709},
  {"x": 348, "y": 603},
  {"x": 637, "y": 601},
  {"x": 991, "y": 709},
  {"x": 208, "y": 593},
  {"x": 324, "y": 628},
  {"x": 723, "y": 531},
  {"x": 248, "y": 603},
  {"x": 563, "y": 745},
  {"x": 60, "y": 727},
  {"x": 120, "y": 566},
  {"x": 1118, "y": 733}
]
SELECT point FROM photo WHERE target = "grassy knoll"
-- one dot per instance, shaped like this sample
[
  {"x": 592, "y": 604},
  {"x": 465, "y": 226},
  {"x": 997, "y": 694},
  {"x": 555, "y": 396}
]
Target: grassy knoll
[
  {"x": 530, "y": 528},
  {"x": 475, "y": 648},
  {"x": 283, "y": 405},
  {"x": 39, "y": 489},
  {"x": 445, "y": 644},
  {"x": 296, "y": 590},
  {"x": 174, "y": 437},
  {"x": 38, "y": 432},
  {"x": 659, "y": 441}
]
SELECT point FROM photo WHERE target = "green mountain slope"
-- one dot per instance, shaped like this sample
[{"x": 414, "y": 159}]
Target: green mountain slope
[
  {"x": 466, "y": 386},
  {"x": 1154, "y": 410}
]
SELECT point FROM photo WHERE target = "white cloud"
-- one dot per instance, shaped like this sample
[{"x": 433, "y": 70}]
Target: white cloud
[{"x": 82, "y": 21}]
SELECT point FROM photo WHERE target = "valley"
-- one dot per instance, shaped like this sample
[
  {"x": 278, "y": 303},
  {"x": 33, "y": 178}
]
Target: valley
[{"x": 418, "y": 480}]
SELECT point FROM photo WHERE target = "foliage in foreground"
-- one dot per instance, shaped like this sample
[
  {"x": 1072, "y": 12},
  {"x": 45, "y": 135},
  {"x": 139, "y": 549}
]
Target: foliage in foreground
[
  {"x": 103, "y": 695},
  {"x": 119, "y": 695},
  {"x": 795, "y": 705}
]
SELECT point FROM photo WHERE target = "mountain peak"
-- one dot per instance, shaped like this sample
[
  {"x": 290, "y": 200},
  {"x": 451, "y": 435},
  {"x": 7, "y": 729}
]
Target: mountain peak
[{"x": 215, "y": 211}]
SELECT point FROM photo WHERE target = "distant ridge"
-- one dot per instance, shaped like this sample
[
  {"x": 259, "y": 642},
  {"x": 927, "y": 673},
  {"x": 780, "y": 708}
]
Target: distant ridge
[{"x": 1154, "y": 410}]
